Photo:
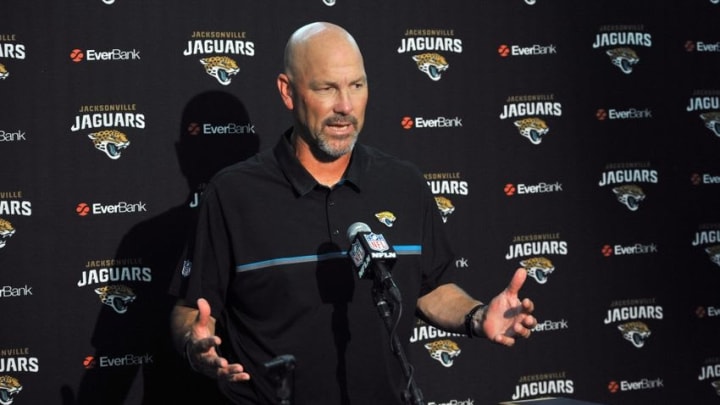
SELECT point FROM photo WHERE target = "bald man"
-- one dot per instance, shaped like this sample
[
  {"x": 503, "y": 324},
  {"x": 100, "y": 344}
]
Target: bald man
[{"x": 268, "y": 276}]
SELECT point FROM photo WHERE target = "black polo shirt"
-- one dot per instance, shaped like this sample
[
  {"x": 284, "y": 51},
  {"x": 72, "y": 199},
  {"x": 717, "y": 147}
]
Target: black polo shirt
[{"x": 270, "y": 256}]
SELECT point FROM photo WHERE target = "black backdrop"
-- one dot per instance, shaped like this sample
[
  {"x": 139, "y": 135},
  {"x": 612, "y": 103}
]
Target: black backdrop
[{"x": 615, "y": 207}]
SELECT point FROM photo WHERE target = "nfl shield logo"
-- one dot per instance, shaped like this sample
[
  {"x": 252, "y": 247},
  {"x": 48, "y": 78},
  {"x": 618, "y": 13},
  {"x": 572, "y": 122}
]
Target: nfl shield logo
[{"x": 376, "y": 242}]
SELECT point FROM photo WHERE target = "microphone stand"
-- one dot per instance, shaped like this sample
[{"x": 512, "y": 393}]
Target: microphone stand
[
  {"x": 281, "y": 371},
  {"x": 382, "y": 285}
]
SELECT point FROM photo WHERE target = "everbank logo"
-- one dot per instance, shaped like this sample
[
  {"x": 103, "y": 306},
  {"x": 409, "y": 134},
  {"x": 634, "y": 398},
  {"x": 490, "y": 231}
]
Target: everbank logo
[
  {"x": 130, "y": 359},
  {"x": 642, "y": 384},
  {"x": 408, "y": 122},
  {"x": 548, "y": 325},
  {"x": 468, "y": 401},
  {"x": 84, "y": 209},
  {"x": 709, "y": 312},
  {"x": 231, "y": 128},
  {"x": 531, "y": 50},
  {"x": 705, "y": 178},
  {"x": 12, "y": 135},
  {"x": 511, "y": 189},
  {"x": 78, "y": 55},
  {"x": 631, "y": 113},
  {"x": 632, "y": 249},
  {"x": 702, "y": 46},
  {"x": 8, "y": 291}
]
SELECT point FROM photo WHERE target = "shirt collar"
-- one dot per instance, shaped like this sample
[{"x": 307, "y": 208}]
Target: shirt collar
[{"x": 301, "y": 181}]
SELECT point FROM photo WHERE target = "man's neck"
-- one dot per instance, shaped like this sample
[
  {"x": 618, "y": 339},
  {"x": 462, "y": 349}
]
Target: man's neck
[{"x": 327, "y": 173}]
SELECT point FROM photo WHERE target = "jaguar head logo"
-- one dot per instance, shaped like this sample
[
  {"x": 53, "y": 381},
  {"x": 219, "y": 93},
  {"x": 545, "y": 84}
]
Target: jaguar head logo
[
  {"x": 9, "y": 388},
  {"x": 538, "y": 268},
  {"x": 445, "y": 351},
  {"x": 432, "y": 64},
  {"x": 445, "y": 206},
  {"x": 712, "y": 121},
  {"x": 6, "y": 232},
  {"x": 386, "y": 218},
  {"x": 635, "y": 332},
  {"x": 629, "y": 195},
  {"x": 716, "y": 386},
  {"x": 714, "y": 253},
  {"x": 117, "y": 297},
  {"x": 3, "y": 72},
  {"x": 533, "y": 129},
  {"x": 221, "y": 68},
  {"x": 110, "y": 141},
  {"x": 623, "y": 58}
]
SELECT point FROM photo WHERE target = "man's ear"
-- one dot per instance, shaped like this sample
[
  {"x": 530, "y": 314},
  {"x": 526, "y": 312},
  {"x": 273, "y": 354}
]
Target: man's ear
[{"x": 286, "y": 91}]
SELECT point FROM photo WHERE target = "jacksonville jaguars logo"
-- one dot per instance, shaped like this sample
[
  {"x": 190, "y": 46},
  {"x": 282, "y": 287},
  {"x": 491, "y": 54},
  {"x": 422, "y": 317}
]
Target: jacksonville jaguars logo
[
  {"x": 538, "y": 268},
  {"x": 636, "y": 333},
  {"x": 712, "y": 121},
  {"x": 716, "y": 384},
  {"x": 6, "y": 232},
  {"x": 386, "y": 218},
  {"x": 445, "y": 206},
  {"x": 623, "y": 58},
  {"x": 630, "y": 195},
  {"x": 445, "y": 351},
  {"x": 532, "y": 128},
  {"x": 9, "y": 388},
  {"x": 714, "y": 254},
  {"x": 110, "y": 141},
  {"x": 117, "y": 297},
  {"x": 221, "y": 68},
  {"x": 432, "y": 64}
]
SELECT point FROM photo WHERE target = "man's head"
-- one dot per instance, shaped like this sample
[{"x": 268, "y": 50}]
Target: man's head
[{"x": 325, "y": 86}]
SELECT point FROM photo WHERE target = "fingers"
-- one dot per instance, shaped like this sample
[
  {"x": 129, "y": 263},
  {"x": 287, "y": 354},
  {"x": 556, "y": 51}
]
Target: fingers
[
  {"x": 519, "y": 328},
  {"x": 517, "y": 281},
  {"x": 205, "y": 360},
  {"x": 528, "y": 306},
  {"x": 522, "y": 326},
  {"x": 529, "y": 322},
  {"x": 503, "y": 340},
  {"x": 205, "y": 345},
  {"x": 522, "y": 330},
  {"x": 233, "y": 372},
  {"x": 203, "y": 318}
]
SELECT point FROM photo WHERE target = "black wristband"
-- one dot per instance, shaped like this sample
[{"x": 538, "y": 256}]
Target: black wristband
[{"x": 469, "y": 329}]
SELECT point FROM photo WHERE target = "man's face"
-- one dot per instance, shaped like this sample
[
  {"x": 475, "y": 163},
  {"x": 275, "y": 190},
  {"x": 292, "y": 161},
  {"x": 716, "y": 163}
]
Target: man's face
[{"x": 329, "y": 96}]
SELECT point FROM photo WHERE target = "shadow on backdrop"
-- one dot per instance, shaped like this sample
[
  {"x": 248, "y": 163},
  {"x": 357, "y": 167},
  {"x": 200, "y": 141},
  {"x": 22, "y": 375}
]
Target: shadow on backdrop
[{"x": 215, "y": 131}]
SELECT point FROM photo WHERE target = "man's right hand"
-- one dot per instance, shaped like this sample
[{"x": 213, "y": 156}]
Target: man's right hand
[{"x": 201, "y": 344}]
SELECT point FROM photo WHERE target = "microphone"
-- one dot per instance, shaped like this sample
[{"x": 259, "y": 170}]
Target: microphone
[
  {"x": 371, "y": 256},
  {"x": 284, "y": 362},
  {"x": 281, "y": 370}
]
